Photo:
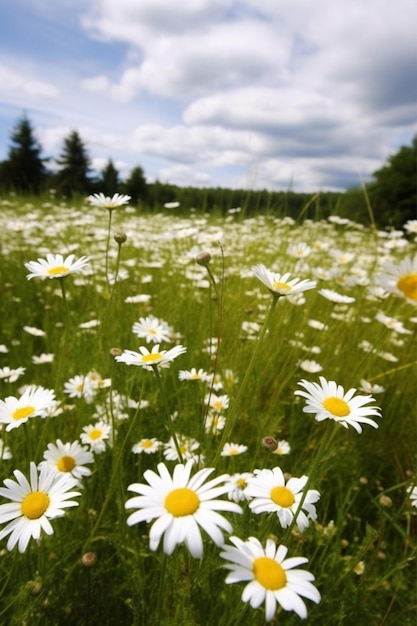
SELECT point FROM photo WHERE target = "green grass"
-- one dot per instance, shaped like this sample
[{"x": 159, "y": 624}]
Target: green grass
[{"x": 129, "y": 584}]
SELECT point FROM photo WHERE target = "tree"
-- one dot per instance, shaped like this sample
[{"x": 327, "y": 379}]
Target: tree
[
  {"x": 72, "y": 177},
  {"x": 136, "y": 186},
  {"x": 394, "y": 191},
  {"x": 109, "y": 181},
  {"x": 24, "y": 170}
]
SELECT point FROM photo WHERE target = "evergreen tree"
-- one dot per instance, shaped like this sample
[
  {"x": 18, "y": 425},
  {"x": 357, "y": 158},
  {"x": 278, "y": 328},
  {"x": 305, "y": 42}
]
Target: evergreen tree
[
  {"x": 136, "y": 186},
  {"x": 109, "y": 181},
  {"x": 24, "y": 170},
  {"x": 72, "y": 177}
]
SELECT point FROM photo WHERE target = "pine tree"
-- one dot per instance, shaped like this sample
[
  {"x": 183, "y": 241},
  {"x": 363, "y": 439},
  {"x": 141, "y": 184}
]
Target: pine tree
[
  {"x": 136, "y": 186},
  {"x": 72, "y": 177},
  {"x": 24, "y": 170},
  {"x": 109, "y": 181}
]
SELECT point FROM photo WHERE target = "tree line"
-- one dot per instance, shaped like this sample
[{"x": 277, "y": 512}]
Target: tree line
[{"x": 390, "y": 199}]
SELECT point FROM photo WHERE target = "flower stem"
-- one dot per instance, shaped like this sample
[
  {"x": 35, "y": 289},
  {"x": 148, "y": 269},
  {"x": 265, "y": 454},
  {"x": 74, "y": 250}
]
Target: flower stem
[
  {"x": 168, "y": 413},
  {"x": 233, "y": 412}
]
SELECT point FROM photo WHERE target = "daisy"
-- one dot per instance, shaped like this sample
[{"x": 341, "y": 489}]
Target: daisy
[
  {"x": 193, "y": 374},
  {"x": 280, "y": 284},
  {"x": 283, "y": 447},
  {"x": 11, "y": 375},
  {"x": 214, "y": 423},
  {"x": 412, "y": 495},
  {"x": 43, "y": 358},
  {"x": 392, "y": 323},
  {"x": 299, "y": 250},
  {"x": 152, "y": 329},
  {"x": 237, "y": 484},
  {"x": 95, "y": 436},
  {"x": 271, "y": 493},
  {"x": 148, "y": 446},
  {"x": 105, "y": 202},
  {"x": 411, "y": 226},
  {"x": 368, "y": 387},
  {"x": 33, "y": 503},
  {"x": 271, "y": 577},
  {"x": 181, "y": 504},
  {"x": 336, "y": 297},
  {"x": 233, "y": 449},
  {"x": 80, "y": 386},
  {"x": 217, "y": 403},
  {"x": 34, "y": 402},
  {"x": 69, "y": 457},
  {"x": 187, "y": 445},
  {"x": 55, "y": 266},
  {"x": 401, "y": 279},
  {"x": 310, "y": 366},
  {"x": 35, "y": 332},
  {"x": 150, "y": 360},
  {"x": 5, "y": 452},
  {"x": 328, "y": 400}
]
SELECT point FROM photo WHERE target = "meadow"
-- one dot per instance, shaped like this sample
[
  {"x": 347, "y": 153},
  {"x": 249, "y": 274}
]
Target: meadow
[{"x": 235, "y": 410}]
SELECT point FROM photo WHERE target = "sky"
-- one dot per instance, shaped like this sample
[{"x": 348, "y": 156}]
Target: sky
[{"x": 251, "y": 94}]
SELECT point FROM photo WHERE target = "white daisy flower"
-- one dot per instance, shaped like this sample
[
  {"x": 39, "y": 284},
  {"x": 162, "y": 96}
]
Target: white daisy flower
[
  {"x": 149, "y": 360},
  {"x": 33, "y": 503},
  {"x": 43, "y": 358},
  {"x": 35, "y": 332},
  {"x": 283, "y": 447},
  {"x": 55, "y": 266},
  {"x": 11, "y": 375},
  {"x": 368, "y": 387},
  {"x": 69, "y": 458},
  {"x": 328, "y": 400},
  {"x": 81, "y": 386},
  {"x": 270, "y": 576},
  {"x": 34, "y": 402},
  {"x": 401, "y": 279},
  {"x": 233, "y": 449},
  {"x": 280, "y": 284},
  {"x": 152, "y": 329},
  {"x": 412, "y": 496},
  {"x": 148, "y": 446},
  {"x": 336, "y": 297},
  {"x": 181, "y": 505},
  {"x": 310, "y": 366},
  {"x": 237, "y": 484},
  {"x": 217, "y": 403},
  {"x": 107, "y": 202},
  {"x": 96, "y": 435},
  {"x": 193, "y": 374},
  {"x": 188, "y": 447},
  {"x": 271, "y": 494},
  {"x": 5, "y": 452},
  {"x": 392, "y": 323},
  {"x": 214, "y": 423}
]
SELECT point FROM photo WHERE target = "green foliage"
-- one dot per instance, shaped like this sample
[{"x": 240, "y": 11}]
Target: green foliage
[
  {"x": 394, "y": 192},
  {"x": 135, "y": 186},
  {"x": 109, "y": 180}
]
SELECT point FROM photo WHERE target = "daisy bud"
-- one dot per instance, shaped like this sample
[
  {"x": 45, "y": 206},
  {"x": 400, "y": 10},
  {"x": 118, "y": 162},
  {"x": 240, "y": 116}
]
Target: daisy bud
[
  {"x": 120, "y": 238},
  {"x": 203, "y": 258},
  {"x": 115, "y": 352},
  {"x": 88, "y": 559},
  {"x": 385, "y": 501},
  {"x": 269, "y": 444},
  {"x": 34, "y": 587}
]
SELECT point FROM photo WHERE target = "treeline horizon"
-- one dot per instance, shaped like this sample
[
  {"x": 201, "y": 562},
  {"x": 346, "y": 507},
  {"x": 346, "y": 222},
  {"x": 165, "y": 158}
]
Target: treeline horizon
[{"x": 389, "y": 200}]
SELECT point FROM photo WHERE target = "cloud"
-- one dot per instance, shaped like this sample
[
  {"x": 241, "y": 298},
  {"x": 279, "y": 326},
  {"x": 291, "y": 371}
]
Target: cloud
[{"x": 14, "y": 84}]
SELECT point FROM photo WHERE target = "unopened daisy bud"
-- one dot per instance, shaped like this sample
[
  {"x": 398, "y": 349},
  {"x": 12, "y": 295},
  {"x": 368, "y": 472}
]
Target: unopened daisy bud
[
  {"x": 34, "y": 587},
  {"x": 385, "y": 501},
  {"x": 88, "y": 559},
  {"x": 115, "y": 352},
  {"x": 120, "y": 238},
  {"x": 203, "y": 258},
  {"x": 269, "y": 444}
]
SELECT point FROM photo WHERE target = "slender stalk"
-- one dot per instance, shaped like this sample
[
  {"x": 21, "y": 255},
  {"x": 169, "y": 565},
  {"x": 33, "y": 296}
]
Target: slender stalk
[
  {"x": 161, "y": 594},
  {"x": 110, "y": 210},
  {"x": 168, "y": 413},
  {"x": 233, "y": 412}
]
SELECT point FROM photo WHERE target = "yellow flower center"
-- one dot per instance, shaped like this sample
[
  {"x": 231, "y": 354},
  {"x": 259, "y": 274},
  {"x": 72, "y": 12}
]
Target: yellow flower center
[
  {"x": 22, "y": 412},
  {"x": 95, "y": 433},
  {"x": 408, "y": 286},
  {"x": 65, "y": 464},
  {"x": 182, "y": 501},
  {"x": 152, "y": 358},
  {"x": 278, "y": 285},
  {"x": 218, "y": 405},
  {"x": 35, "y": 504},
  {"x": 152, "y": 331},
  {"x": 241, "y": 482},
  {"x": 58, "y": 269},
  {"x": 336, "y": 406},
  {"x": 146, "y": 443},
  {"x": 195, "y": 376},
  {"x": 282, "y": 496},
  {"x": 269, "y": 573}
]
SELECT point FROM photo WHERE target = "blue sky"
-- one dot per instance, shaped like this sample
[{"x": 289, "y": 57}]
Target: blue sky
[{"x": 236, "y": 93}]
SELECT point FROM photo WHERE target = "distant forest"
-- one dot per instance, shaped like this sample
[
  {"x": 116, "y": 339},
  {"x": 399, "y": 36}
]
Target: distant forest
[{"x": 389, "y": 200}]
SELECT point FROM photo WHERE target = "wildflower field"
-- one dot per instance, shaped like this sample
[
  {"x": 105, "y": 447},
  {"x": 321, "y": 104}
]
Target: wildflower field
[{"x": 205, "y": 419}]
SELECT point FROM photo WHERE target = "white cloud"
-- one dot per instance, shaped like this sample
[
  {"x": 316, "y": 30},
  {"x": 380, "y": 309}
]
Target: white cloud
[{"x": 14, "y": 84}]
